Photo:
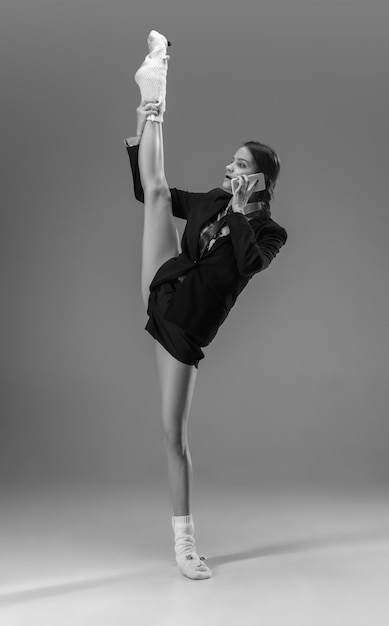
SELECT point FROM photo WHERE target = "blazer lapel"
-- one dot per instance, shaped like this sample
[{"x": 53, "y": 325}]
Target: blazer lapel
[{"x": 208, "y": 213}]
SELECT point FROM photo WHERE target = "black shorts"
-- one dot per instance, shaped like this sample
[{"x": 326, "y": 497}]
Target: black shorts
[{"x": 181, "y": 344}]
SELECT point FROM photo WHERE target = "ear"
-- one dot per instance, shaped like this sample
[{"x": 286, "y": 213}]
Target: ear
[{"x": 269, "y": 184}]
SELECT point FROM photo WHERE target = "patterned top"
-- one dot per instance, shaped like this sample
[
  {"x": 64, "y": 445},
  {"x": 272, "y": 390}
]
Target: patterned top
[{"x": 222, "y": 232}]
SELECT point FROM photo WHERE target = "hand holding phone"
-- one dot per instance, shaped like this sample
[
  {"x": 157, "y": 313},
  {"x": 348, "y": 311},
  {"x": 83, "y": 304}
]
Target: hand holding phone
[{"x": 256, "y": 181}]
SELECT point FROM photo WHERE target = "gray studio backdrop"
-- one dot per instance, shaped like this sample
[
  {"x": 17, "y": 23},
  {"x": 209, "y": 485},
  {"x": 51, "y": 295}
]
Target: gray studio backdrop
[{"x": 293, "y": 391}]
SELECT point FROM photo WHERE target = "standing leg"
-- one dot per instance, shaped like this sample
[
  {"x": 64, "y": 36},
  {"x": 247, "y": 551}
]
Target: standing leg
[{"x": 177, "y": 382}]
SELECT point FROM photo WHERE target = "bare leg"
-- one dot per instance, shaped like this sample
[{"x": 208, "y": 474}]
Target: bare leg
[
  {"x": 160, "y": 242},
  {"x": 177, "y": 385},
  {"x": 160, "y": 235},
  {"x": 177, "y": 380}
]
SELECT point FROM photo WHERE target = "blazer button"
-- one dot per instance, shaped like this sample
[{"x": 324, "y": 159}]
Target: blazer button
[{"x": 195, "y": 261}]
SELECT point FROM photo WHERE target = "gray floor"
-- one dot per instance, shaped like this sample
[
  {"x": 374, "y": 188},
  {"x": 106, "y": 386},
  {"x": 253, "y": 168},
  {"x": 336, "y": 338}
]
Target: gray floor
[{"x": 278, "y": 559}]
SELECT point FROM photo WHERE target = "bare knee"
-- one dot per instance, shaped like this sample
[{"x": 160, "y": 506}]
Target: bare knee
[
  {"x": 157, "y": 193},
  {"x": 174, "y": 444}
]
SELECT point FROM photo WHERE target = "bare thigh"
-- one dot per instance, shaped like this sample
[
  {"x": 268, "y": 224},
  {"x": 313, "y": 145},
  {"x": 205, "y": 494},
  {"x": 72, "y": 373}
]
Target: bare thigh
[
  {"x": 177, "y": 382},
  {"x": 160, "y": 237}
]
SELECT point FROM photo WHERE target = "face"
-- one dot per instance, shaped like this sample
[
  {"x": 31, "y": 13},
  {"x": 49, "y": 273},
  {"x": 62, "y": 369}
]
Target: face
[{"x": 242, "y": 163}]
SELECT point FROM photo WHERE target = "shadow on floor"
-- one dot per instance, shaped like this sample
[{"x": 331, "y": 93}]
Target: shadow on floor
[
  {"x": 287, "y": 547},
  {"x": 302, "y": 545},
  {"x": 61, "y": 588}
]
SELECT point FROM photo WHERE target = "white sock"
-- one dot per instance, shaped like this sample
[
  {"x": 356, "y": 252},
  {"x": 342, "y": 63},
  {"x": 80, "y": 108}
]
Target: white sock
[
  {"x": 152, "y": 74},
  {"x": 189, "y": 562}
]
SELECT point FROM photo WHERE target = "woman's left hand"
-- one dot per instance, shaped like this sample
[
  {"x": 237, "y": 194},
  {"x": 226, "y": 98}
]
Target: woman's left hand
[{"x": 242, "y": 194}]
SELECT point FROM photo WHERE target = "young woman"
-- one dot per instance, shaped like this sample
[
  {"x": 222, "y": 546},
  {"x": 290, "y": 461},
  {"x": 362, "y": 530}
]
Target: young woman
[{"x": 189, "y": 287}]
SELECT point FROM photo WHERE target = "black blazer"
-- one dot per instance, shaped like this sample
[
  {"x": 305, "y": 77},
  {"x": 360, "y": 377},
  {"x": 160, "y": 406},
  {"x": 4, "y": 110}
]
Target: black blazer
[{"x": 214, "y": 281}]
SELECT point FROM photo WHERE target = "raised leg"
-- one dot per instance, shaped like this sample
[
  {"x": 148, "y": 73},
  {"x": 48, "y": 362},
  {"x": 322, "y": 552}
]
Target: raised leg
[{"x": 160, "y": 235}]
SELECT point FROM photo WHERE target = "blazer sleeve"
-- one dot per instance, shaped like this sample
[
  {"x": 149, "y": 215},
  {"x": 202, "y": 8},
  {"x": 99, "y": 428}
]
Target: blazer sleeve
[
  {"x": 182, "y": 201},
  {"x": 254, "y": 253}
]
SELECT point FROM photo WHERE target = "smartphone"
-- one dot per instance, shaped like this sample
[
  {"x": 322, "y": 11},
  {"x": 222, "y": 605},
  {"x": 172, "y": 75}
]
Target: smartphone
[{"x": 259, "y": 178}]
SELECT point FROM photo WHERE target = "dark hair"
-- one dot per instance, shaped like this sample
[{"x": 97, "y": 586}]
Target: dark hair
[{"x": 268, "y": 162}]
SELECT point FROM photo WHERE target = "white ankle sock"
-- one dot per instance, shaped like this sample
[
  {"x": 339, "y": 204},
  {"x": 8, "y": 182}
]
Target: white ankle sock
[
  {"x": 152, "y": 74},
  {"x": 189, "y": 562}
]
